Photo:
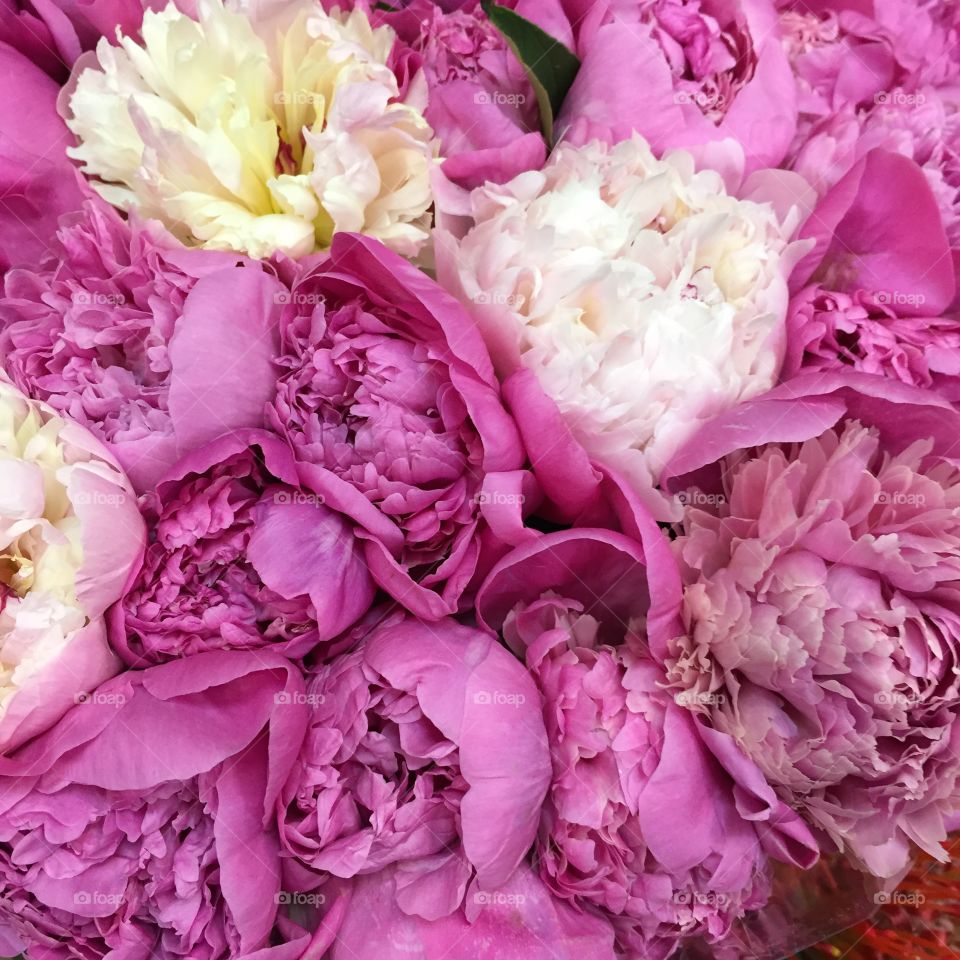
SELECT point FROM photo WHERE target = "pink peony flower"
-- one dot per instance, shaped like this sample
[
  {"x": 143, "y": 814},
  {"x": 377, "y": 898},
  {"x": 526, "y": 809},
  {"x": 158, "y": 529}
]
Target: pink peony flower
[
  {"x": 883, "y": 281},
  {"x": 923, "y": 125},
  {"x": 480, "y": 102},
  {"x": 844, "y": 52},
  {"x": 240, "y": 558},
  {"x": 520, "y": 921},
  {"x": 382, "y": 386},
  {"x": 682, "y": 73},
  {"x": 877, "y": 75},
  {"x": 125, "y": 834},
  {"x": 70, "y": 532},
  {"x": 820, "y": 551},
  {"x": 646, "y": 820},
  {"x": 862, "y": 331},
  {"x": 425, "y": 749},
  {"x": 89, "y": 331}
]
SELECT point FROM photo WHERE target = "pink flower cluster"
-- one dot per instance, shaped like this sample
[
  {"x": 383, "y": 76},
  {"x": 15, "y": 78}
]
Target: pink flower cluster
[{"x": 558, "y": 591}]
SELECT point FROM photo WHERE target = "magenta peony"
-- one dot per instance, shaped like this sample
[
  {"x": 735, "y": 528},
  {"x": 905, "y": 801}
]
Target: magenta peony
[
  {"x": 881, "y": 74},
  {"x": 53, "y": 33},
  {"x": 480, "y": 102},
  {"x": 89, "y": 331},
  {"x": 862, "y": 331},
  {"x": 655, "y": 825},
  {"x": 382, "y": 386},
  {"x": 820, "y": 551},
  {"x": 682, "y": 73},
  {"x": 387, "y": 396},
  {"x": 240, "y": 557},
  {"x": 125, "y": 834},
  {"x": 425, "y": 748},
  {"x": 883, "y": 281}
]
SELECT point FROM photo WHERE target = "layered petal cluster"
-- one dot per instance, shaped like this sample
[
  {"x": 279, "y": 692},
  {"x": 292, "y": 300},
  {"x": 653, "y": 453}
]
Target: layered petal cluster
[
  {"x": 820, "y": 549},
  {"x": 879, "y": 299},
  {"x": 70, "y": 532},
  {"x": 258, "y": 135},
  {"x": 625, "y": 833},
  {"x": 643, "y": 296},
  {"x": 683, "y": 73},
  {"x": 425, "y": 749},
  {"x": 481, "y": 103},
  {"x": 878, "y": 75},
  {"x": 830, "y": 330},
  {"x": 239, "y": 558},
  {"x": 88, "y": 330},
  {"x": 152, "y": 853},
  {"x": 387, "y": 397}
]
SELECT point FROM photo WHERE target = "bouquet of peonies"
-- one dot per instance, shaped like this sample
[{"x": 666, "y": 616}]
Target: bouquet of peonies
[{"x": 477, "y": 480}]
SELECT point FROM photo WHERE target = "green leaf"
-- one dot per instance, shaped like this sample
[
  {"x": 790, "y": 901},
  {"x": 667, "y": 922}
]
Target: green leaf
[{"x": 550, "y": 65}]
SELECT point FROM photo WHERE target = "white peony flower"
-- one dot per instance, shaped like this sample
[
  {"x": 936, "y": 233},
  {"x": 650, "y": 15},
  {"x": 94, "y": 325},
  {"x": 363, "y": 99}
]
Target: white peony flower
[
  {"x": 642, "y": 295},
  {"x": 256, "y": 136}
]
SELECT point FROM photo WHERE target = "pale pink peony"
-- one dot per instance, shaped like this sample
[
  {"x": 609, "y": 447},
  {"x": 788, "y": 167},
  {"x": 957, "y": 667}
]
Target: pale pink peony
[
  {"x": 643, "y": 296},
  {"x": 820, "y": 549},
  {"x": 923, "y": 125}
]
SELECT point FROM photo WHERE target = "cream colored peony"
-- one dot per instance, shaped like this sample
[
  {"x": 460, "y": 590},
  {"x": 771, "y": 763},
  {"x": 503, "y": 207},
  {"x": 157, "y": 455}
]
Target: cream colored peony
[
  {"x": 256, "y": 136},
  {"x": 642, "y": 295},
  {"x": 70, "y": 533}
]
